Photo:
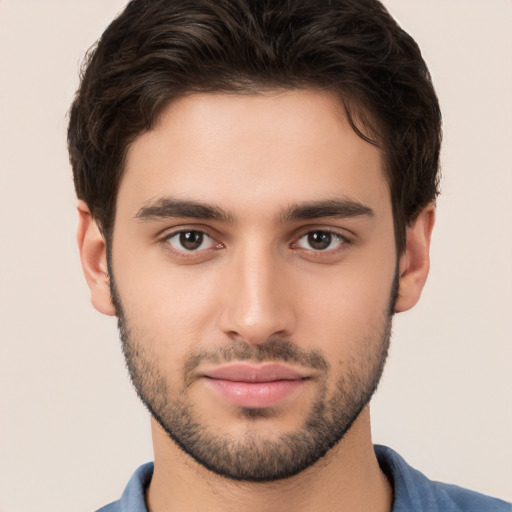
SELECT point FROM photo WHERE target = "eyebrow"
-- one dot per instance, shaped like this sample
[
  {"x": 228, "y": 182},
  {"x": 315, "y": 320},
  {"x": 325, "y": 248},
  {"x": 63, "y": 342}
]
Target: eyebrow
[
  {"x": 334, "y": 208},
  {"x": 166, "y": 207}
]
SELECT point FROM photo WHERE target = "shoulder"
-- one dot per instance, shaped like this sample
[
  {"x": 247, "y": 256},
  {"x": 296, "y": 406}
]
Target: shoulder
[
  {"x": 414, "y": 491},
  {"x": 467, "y": 500},
  {"x": 132, "y": 499},
  {"x": 111, "y": 507}
]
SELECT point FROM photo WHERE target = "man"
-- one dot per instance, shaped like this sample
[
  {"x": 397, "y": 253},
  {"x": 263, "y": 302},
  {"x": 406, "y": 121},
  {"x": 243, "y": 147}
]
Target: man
[{"x": 257, "y": 184}]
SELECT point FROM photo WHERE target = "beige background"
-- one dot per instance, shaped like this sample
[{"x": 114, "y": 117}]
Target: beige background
[{"x": 71, "y": 428}]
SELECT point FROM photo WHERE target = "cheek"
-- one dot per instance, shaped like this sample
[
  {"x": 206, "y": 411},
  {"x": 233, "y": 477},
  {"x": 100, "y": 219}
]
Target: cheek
[
  {"x": 350, "y": 308},
  {"x": 171, "y": 307}
]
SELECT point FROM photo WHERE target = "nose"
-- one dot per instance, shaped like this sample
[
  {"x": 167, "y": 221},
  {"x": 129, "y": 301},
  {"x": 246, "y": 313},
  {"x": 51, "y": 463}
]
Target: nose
[{"x": 257, "y": 295}]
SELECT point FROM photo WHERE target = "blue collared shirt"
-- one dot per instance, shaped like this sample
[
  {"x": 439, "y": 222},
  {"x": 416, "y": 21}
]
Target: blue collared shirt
[{"x": 413, "y": 491}]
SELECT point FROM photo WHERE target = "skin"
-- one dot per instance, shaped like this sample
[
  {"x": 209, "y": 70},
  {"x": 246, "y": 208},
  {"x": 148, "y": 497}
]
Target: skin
[{"x": 257, "y": 277}]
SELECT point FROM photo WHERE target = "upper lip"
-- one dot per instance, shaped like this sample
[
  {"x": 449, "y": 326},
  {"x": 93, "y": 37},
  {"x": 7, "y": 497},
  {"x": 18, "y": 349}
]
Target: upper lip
[{"x": 246, "y": 372}]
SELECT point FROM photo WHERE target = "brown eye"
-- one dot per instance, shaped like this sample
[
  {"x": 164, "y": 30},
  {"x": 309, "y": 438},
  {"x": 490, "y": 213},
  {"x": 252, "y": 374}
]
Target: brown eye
[
  {"x": 320, "y": 241},
  {"x": 190, "y": 240}
]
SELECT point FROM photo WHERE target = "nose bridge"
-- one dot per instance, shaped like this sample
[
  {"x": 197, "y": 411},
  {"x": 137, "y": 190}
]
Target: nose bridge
[{"x": 256, "y": 305}]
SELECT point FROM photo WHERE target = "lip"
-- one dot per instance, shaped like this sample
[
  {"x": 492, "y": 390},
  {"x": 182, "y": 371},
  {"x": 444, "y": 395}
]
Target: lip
[
  {"x": 254, "y": 373},
  {"x": 255, "y": 386}
]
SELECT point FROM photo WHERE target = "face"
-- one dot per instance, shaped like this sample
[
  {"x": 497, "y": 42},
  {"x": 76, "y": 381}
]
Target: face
[{"x": 253, "y": 263}]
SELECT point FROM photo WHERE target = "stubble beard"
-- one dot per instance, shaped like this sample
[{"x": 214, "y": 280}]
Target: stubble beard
[{"x": 254, "y": 458}]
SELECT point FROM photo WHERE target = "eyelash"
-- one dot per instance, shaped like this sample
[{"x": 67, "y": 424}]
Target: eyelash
[
  {"x": 341, "y": 240},
  {"x": 191, "y": 253},
  {"x": 333, "y": 236}
]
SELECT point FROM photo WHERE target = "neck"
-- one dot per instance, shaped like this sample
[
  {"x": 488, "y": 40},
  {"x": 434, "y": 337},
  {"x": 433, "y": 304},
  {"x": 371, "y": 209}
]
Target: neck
[{"x": 347, "y": 479}]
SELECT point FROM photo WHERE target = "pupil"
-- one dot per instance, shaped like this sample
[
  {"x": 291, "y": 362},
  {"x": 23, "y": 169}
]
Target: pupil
[
  {"x": 191, "y": 240},
  {"x": 319, "y": 240}
]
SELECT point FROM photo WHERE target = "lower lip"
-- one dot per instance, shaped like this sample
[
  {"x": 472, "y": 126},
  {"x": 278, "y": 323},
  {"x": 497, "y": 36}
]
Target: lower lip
[{"x": 255, "y": 395}]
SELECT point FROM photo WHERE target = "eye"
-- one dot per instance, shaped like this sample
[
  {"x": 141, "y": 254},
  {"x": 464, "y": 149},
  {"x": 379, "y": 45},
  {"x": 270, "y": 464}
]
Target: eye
[
  {"x": 190, "y": 240},
  {"x": 320, "y": 241}
]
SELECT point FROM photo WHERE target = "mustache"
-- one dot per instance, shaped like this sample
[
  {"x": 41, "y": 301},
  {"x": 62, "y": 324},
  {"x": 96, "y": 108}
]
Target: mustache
[{"x": 273, "y": 350}]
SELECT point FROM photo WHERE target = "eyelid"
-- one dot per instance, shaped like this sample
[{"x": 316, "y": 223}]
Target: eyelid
[
  {"x": 192, "y": 254},
  {"x": 334, "y": 237},
  {"x": 180, "y": 227},
  {"x": 346, "y": 238},
  {"x": 343, "y": 233},
  {"x": 204, "y": 235}
]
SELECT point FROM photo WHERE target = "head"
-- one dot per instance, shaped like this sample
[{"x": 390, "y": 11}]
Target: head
[
  {"x": 187, "y": 116},
  {"x": 158, "y": 51}
]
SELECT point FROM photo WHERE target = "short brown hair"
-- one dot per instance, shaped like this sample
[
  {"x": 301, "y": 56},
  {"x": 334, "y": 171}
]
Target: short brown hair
[{"x": 158, "y": 50}]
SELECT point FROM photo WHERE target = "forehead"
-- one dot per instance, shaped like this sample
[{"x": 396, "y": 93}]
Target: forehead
[{"x": 239, "y": 150}]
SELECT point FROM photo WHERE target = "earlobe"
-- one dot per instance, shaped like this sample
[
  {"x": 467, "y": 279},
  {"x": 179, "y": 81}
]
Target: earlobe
[
  {"x": 93, "y": 253},
  {"x": 414, "y": 263}
]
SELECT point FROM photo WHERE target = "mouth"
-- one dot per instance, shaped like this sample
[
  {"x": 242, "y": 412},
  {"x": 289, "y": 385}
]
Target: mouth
[{"x": 255, "y": 386}]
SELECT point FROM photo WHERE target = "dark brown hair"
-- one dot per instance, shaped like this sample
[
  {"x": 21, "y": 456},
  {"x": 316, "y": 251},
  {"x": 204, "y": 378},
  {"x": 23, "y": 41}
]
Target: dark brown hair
[{"x": 158, "y": 50}]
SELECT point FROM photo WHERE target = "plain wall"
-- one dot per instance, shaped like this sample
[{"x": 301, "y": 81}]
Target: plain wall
[{"x": 72, "y": 430}]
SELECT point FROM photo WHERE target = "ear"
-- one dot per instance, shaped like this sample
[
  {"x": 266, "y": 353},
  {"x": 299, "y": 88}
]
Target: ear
[
  {"x": 415, "y": 261},
  {"x": 93, "y": 253}
]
